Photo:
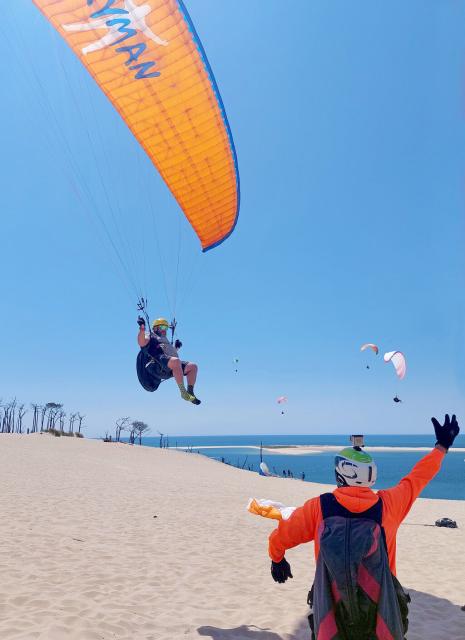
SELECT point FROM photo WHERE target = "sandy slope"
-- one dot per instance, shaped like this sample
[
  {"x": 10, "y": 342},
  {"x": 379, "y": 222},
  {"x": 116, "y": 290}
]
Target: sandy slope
[{"x": 82, "y": 556}]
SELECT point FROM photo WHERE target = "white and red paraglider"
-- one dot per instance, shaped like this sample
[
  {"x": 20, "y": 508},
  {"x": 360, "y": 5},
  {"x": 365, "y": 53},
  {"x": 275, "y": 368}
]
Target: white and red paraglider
[
  {"x": 369, "y": 345},
  {"x": 399, "y": 363},
  {"x": 281, "y": 400},
  {"x": 398, "y": 360}
]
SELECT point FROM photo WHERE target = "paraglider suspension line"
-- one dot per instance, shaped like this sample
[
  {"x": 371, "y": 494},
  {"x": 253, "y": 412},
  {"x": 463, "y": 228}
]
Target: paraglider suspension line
[
  {"x": 142, "y": 307},
  {"x": 173, "y": 326}
]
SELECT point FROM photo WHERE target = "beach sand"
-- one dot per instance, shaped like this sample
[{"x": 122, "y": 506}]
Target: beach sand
[{"x": 82, "y": 556}]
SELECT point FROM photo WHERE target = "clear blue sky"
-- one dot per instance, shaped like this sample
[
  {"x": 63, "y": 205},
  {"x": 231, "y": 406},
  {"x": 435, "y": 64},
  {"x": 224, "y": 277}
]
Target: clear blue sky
[{"x": 350, "y": 133}]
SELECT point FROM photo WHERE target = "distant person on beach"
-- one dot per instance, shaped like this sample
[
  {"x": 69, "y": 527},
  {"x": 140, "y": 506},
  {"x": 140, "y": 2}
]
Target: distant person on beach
[
  {"x": 355, "y": 527},
  {"x": 162, "y": 361}
]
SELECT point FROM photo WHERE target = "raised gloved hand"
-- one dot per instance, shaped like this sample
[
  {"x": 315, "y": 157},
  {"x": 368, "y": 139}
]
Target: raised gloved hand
[
  {"x": 141, "y": 322},
  {"x": 447, "y": 432},
  {"x": 281, "y": 571},
  {"x": 177, "y": 344}
]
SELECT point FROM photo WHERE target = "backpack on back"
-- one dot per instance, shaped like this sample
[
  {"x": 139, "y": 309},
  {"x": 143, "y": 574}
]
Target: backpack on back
[{"x": 355, "y": 596}]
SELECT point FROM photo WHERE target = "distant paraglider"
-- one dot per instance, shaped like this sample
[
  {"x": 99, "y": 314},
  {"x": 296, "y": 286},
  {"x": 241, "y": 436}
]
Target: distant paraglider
[
  {"x": 282, "y": 400},
  {"x": 236, "y": 363},
  {"x": 373, "y": 347},
  {"x": 369, "y": 345},
  {"x": 398, "y": 360}
]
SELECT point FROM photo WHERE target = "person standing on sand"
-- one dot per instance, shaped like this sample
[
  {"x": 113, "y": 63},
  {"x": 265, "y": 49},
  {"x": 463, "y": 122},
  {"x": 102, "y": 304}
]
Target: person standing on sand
[
  {"x": 164, "y": 358},
  {"x": 354, "y": 504}
]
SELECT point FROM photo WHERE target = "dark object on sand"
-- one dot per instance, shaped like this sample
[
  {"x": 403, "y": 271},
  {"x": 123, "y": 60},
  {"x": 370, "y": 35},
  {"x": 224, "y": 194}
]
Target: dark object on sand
[{"x": 446, "y": 522}]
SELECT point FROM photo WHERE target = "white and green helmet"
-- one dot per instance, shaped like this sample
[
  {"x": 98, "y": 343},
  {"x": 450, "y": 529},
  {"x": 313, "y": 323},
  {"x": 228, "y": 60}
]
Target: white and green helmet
[{"x": 355, "y": 468}]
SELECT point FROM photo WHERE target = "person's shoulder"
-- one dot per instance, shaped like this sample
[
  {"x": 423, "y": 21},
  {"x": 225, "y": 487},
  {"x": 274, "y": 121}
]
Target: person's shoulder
[{"x": 312, "y": 503}]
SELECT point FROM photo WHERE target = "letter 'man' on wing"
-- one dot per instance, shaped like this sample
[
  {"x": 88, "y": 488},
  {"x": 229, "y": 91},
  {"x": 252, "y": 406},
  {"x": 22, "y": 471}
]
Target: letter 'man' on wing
[{"x": 147, "y": 58}]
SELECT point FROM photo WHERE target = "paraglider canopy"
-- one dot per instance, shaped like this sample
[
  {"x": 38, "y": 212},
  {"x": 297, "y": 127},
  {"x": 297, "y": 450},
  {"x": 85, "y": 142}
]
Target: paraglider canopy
[
  {"x": 148, "y": 60},
  {"x": 398, "y": 360},
  {"x": 281, "y": 400},
  {"x": 369, "y": 345}
]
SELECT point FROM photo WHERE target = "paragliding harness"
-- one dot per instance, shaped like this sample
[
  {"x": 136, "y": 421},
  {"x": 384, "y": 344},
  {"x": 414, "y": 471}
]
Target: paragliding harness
[
  {"x": 150, "y": 371},
  {"x": 355, "y": 596}
]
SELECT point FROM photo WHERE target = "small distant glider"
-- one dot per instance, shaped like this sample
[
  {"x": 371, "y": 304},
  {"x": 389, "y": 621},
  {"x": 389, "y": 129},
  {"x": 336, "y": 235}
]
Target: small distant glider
[
  {"x": 281, "y": 400},
  {"x": 369, "y": 345}
]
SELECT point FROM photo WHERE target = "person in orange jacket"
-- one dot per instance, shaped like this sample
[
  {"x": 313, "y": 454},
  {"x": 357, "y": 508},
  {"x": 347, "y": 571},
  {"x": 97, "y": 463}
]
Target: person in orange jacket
[{"x": 355, "y": 475}]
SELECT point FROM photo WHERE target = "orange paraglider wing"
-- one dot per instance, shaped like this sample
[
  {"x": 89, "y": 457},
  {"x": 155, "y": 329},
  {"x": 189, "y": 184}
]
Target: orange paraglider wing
[{"x": 147, "y": 58}]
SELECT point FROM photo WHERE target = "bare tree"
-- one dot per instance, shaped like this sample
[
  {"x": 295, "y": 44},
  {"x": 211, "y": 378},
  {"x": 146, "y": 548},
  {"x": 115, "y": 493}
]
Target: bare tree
[
  {"x": 71, "y": 421},
  {"x": 2, "y": 418},
  {"x": 13, "y": 415},
  {"x": 5, "y": 411},
  {"x": 61, "y": 415},
  {"x": 43, "y": 412},
  {"x": 140, "y": 428},
  {"x": 79, "y": 419},
  {"x": 9, "y": 416},
  {"x": 35, "y": 417},
  {"x": 121, "y": 425},
  {"x": 19, "y": 420}
]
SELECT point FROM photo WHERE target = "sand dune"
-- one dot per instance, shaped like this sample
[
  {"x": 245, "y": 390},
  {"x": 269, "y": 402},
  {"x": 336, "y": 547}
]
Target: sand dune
[{"x": 82, "y": 556}]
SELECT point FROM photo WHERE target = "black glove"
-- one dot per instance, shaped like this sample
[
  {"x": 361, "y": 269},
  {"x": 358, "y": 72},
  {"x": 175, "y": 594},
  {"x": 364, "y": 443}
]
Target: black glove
[
  {"x": 447, "y": 432},
  {"x": 141, "y": 321},
  {"x": 177, "y": 344},
  {"x": 281, "y": 571}
]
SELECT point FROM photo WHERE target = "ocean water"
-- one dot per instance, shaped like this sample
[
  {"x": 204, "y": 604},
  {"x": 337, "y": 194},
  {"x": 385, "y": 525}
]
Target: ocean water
[{"x": 318, "y": 467}]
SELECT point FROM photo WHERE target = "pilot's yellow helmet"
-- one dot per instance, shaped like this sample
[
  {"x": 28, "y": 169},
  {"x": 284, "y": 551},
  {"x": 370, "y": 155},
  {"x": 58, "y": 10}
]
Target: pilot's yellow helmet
[{"x": 159, "y": 322}]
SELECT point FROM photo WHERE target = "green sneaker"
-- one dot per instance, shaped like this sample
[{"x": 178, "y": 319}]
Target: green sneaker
[{"x": 185, "y": 395}]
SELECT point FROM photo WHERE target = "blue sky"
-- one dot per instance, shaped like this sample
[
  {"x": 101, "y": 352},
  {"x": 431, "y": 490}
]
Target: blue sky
[{"x": 350, "y": 134}]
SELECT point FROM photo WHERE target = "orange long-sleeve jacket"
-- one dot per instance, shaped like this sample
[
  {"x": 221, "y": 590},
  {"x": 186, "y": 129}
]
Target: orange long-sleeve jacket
[{"x": 303, "y": 524}]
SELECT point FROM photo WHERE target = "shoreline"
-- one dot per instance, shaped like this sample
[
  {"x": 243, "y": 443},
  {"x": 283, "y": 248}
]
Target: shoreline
[{"x": 303, "y": 449}]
